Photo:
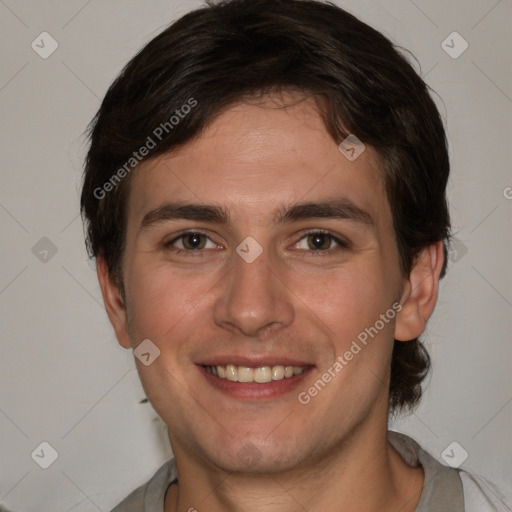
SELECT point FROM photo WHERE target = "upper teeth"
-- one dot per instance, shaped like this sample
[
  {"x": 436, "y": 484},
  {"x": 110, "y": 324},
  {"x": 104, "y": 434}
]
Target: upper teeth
[{"x": 261, "y": 374}]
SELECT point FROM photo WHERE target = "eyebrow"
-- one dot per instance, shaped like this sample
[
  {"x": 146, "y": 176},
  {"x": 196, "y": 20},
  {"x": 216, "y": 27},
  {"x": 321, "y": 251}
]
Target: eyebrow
[
  {"x": 188, "y": 211},
  {"x": 339, "y": 208}
]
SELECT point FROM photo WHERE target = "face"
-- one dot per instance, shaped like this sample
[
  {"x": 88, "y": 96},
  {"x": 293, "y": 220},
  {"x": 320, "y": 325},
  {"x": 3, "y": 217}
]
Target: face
[{"x": 260, "y": 253}]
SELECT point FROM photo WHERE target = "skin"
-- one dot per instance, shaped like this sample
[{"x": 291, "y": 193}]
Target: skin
[{"x": 294, "y": 300}]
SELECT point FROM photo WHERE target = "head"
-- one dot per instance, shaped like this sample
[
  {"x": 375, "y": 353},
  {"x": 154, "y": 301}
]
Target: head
[{"x": 241, "y": 105}]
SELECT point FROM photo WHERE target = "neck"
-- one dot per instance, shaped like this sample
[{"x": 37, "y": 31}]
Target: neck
[{"x": 363, "y": 473}]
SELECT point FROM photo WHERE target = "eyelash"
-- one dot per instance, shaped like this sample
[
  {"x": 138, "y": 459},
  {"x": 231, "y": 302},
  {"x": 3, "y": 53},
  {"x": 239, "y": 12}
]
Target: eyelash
[
  {"x": 189, "y": 252},
  {"x": 342, "y": 244}
]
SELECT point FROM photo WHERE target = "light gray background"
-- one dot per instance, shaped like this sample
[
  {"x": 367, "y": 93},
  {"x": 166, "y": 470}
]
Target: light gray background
[{"x": 63, "y": 377}]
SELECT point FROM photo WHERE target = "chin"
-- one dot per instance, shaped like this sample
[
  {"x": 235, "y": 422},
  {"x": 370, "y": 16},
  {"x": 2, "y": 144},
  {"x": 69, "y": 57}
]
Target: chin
[
  {"x": 251, "y": 460},
  {"x": 253, "y": 455}
]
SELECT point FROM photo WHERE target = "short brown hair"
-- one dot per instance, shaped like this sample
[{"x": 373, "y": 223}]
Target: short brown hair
[{"x": 232, "y": 50}]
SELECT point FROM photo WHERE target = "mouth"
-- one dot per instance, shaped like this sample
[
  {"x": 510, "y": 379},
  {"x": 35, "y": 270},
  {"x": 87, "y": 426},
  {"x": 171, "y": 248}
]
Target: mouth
[
  {"x": 256, "y": 379},
  {"x": 260, "y": 374}
]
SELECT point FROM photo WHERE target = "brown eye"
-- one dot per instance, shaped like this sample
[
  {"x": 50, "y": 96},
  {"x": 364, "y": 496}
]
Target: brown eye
[
  {"x": 193, "y": 241},
  {"x": 319, "y": 241},
  {"x": 190, "y": 241}
]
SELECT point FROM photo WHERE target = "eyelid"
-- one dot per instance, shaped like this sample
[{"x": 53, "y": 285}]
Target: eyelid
[
  {"x": 177, "y": 236},
  {"x": 340, "y": 240}
]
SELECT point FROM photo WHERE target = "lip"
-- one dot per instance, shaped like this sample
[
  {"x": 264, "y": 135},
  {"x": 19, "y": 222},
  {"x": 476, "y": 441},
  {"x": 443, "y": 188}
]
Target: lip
[
  {"x": 253, "y": 391},
  {"x": 253, "y": 362}
]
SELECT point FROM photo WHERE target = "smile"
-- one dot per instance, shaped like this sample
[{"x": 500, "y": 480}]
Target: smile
[{"x": 260, "y": 375}]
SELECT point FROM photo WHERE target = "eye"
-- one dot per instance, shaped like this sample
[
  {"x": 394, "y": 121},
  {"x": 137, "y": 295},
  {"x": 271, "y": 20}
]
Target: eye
[
  {"x": 191, "y": 241},
  {"x": 320, "y": 241}
]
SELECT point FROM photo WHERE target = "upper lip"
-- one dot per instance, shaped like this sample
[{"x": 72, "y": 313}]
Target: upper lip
[{"x": 253, "y": 361}]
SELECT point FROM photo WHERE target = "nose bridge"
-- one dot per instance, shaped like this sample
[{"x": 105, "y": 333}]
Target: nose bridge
[{"x": 252, "y": 298}]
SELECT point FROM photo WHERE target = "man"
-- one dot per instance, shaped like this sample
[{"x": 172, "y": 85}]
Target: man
[{"x": 265, "y": 194}]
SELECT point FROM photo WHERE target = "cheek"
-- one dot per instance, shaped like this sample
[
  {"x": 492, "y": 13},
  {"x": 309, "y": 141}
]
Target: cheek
[
  {"x": 346, "y": 300},
  {"x": 164, "y": 306},
  {"x": 350, "y": 302},
  {"x": 161, "y": 298}
]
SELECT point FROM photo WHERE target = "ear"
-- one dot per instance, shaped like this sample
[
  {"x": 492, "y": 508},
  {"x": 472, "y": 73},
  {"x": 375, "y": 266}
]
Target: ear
[
  {"x": 114, "y": 303},
  {"x": 419, "y": 295}
]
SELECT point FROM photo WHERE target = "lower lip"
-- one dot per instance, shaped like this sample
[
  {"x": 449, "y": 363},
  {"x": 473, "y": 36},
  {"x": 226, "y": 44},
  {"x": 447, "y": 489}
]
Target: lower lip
[{"x": 253, "y": 390}]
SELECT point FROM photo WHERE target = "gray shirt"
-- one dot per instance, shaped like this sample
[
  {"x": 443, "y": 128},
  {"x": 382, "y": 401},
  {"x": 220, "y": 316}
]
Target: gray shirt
[{"x": 445, "y": 489}]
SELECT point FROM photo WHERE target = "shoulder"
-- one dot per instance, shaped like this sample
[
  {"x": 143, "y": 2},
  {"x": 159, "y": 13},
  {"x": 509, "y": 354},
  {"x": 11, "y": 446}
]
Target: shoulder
[
  {"x": 462, "y": 491},
  {"x": 481, "y": 495},
  {"x": 150, "y": 496}
]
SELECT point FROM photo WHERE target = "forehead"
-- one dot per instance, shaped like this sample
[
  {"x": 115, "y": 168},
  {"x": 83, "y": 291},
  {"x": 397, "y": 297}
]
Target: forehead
[{"x": 257, "y": 156}]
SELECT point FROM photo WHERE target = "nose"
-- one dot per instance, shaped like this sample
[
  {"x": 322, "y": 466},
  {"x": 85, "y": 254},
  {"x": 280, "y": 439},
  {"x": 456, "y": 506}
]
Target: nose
[{"x": 253, "y": 299}]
